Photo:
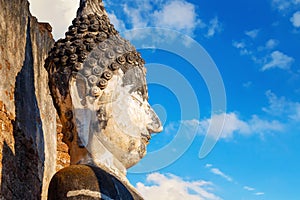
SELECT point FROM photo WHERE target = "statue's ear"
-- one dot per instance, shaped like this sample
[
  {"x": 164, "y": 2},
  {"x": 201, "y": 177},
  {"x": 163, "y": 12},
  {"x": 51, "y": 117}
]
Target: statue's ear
[
  {"x": 81, "y": 84},
  {"x": 79, "y": 89}
]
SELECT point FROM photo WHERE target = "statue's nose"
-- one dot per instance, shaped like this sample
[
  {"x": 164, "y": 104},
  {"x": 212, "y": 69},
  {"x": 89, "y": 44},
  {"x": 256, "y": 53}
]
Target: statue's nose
[{"x": 155, "y": 125}]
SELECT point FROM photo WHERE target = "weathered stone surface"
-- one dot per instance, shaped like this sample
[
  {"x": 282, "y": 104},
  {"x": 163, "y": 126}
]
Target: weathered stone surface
[
  {"x": 28, "y": 150},
  {"x": 97, "y": 81},
  {"x": 27, "y": 115},
  {"x": 63, "y": 157}
]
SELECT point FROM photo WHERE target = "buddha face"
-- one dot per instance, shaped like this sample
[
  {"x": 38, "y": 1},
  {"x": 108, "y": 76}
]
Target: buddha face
[
  {"x": 97, "y": 80},
  {"x": 119, "y": 117}
]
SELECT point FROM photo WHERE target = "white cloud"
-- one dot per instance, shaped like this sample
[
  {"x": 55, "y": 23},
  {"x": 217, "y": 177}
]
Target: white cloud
[
  {"x": 208, "y": 165},
  {"x": 242, "y": 46},
  {"x": 295, "y": 116},
  {"x": 251, "y": 189},
  {"x": 296, "y": 19},
  {"x": 178, "y": 15},
  {"x": 59, "y": 13},
  {"x": 262, "y": 127},
  {"x": 138, "y": 19},
  {"x": 170, "y": 128},
  {"x": 253, "y": 33},
  {"x": 218, "y": 172},
  {"x": 234, "y": 125},
  {"x": 271, "y": 44},
  {"x": 119, "y": 24},
  {"x": 214, "y": 27},
  {"x": 279, "y": 60},
  {"x": 230, "y": 124},
  {"x": 281, "y": 107},
  {"x": 239, "y": 45},
  {"x": 263, "y": 55},
  {"x": 168, "y": 186},
  {"x": 277, "y": 106},
  {"x": 248, "y": 188},
  {"x": 259, "y": 193},
  {"x": 247, "y": 84},
  {"x": 282, "y": 5}
]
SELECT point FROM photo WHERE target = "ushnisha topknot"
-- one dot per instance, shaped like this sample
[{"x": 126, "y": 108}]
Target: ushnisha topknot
[{"x": 93, "y": 48}]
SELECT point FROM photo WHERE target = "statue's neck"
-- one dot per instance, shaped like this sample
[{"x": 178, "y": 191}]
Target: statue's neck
[
  {"x": 114, "y": 167},
  {"x": 96, "y": 154}
]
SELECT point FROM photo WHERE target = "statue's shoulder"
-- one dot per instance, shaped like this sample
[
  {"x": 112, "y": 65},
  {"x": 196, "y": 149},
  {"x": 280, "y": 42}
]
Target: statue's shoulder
[{"x": 88, "y": 182}]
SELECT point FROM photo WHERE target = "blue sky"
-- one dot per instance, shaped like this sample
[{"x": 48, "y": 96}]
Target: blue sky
[{"x": 254, "y": 46}]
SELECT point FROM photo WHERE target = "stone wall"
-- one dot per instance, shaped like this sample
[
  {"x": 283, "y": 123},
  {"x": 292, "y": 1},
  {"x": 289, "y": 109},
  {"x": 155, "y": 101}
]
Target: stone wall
[
  {"x": 63, "y": 157},
  {"x": 28, "y": 150}
]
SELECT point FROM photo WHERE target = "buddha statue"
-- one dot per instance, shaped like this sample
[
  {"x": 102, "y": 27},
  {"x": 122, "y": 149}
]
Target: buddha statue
[{"x": 97, "y": 82}]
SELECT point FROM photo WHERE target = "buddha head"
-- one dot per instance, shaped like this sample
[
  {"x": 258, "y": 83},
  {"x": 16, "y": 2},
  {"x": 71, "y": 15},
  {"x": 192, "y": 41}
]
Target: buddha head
[{"x": 97, "y": 82}]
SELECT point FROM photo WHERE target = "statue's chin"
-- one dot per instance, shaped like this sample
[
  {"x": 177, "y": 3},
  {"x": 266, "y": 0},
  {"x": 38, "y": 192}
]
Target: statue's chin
[{"x": 129, "y": 159}]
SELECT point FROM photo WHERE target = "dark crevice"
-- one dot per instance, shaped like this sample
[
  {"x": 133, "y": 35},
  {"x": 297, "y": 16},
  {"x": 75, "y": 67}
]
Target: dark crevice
[{"x": 22, "y": 171}]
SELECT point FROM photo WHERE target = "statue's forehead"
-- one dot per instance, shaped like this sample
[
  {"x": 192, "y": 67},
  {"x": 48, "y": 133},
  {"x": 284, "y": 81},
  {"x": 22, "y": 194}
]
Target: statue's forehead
[{"x": 135, "y": 77}]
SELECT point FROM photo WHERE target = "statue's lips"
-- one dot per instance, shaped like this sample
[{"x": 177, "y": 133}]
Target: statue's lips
[{"x": 146, "y": 137}]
